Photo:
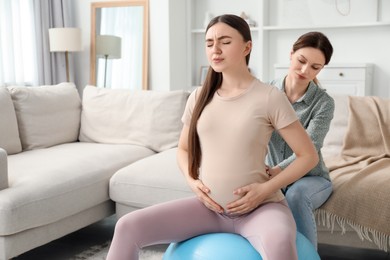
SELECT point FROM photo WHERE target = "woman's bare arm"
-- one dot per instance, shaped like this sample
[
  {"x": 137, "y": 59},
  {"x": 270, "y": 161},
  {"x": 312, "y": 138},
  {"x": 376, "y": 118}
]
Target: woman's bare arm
[{"x": 197, "y": 186}]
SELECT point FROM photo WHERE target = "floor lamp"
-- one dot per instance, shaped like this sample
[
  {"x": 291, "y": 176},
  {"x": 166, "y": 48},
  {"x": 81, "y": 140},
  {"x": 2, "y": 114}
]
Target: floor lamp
[
  {"x": 65, "y": 40},
  {"x": 108, "y": 47}
]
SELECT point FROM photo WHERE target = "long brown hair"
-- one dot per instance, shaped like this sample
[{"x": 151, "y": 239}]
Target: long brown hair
[
  {"x": 315, "y": 40},
  {"x": 212, "y": 82}
]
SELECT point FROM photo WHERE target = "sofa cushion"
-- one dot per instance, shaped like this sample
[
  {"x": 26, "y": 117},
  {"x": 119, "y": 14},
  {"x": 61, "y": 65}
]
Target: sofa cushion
[
  {"x": 47, "y": 115},
  {"x": 147, "y": 118},
  {"x": 334, "y": 139},
  {"x": 9, "y": 133},
  {"x": 137, "y": 184},
  {"x": 50, "y": 184}
]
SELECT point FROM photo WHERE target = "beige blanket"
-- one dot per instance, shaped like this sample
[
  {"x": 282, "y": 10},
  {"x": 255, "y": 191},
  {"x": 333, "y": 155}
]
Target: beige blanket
[{"x": 361, "y": 174}]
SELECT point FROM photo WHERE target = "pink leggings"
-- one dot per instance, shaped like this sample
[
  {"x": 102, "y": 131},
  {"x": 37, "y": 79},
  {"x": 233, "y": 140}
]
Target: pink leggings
[{"x": 270, "y": 228}]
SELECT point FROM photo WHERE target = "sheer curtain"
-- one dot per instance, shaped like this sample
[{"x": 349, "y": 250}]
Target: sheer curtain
[
  {"x": 18, "y": 59},
  {"x": 51, "y": 14},
  {"x": 25, "y": 57}
]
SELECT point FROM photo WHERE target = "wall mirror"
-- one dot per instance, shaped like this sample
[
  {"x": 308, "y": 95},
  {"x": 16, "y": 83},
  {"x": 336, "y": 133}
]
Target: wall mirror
[{"x": 119, "y": 44}]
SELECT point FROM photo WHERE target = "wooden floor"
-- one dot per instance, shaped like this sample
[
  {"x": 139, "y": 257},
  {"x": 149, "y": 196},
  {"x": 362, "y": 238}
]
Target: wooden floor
[
  {"x": 329, "y": 252},
  {"x": 96, "y": 234}
]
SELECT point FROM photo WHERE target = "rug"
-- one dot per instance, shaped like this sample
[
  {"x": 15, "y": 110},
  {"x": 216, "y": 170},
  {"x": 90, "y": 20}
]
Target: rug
[{"x": 99, "y": 252}]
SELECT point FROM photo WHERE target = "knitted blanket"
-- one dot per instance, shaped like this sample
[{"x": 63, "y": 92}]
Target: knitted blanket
[{"x": 361, "y": 174}]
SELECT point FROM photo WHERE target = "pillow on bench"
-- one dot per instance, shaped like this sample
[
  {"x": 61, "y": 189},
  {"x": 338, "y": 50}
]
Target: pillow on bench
[
  {"x": 119, "y": 116},
  {"x": 333, "y": 141}
]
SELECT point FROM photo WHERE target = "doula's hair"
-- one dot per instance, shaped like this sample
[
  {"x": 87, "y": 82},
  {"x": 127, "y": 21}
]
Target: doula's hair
[{"x": 315, "y": 40}]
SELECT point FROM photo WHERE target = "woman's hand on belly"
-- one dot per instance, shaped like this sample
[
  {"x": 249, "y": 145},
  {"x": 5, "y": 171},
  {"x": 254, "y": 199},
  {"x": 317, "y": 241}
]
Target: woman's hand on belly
[
  {"x": 201, "y": 191},
  {"x": 252, "y": 196}
]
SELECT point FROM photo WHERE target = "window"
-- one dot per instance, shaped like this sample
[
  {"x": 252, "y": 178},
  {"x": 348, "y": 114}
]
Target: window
[{"x": 18, "y": 56}]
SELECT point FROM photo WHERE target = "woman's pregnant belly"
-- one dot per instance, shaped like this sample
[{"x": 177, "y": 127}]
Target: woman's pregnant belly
[{"x": 222, "y": 184}]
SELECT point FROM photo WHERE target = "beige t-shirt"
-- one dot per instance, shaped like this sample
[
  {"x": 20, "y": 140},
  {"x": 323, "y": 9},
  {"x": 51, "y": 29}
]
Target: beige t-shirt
[{"x": 234, "y": 134}]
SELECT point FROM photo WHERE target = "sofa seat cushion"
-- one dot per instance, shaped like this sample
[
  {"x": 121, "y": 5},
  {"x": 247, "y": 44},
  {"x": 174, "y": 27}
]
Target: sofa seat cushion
[
  {"x": 50, "y": 184},
  {"x": 149, "y": 181}
]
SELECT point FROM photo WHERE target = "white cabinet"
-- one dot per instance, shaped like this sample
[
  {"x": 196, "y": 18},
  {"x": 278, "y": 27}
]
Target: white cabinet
[{"x": 342, "y": 79}]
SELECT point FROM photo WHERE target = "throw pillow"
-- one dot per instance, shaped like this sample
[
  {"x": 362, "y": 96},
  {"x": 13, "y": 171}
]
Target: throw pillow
[
  {"x": 333, "y": 141},
  {"x": 148, "y": 118},
  {"x": 47, "y": 115}
]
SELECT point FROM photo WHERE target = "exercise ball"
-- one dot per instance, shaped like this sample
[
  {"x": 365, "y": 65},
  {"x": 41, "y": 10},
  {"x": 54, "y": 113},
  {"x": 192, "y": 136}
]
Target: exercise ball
[{"x": 227, "y": 246}]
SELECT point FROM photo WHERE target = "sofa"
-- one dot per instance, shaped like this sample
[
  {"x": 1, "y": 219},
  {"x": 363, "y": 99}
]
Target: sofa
[
  {"x": 67, "y": 162},
  {"x": 157, "y": 178},
  {"x": 58, "y": 152}
]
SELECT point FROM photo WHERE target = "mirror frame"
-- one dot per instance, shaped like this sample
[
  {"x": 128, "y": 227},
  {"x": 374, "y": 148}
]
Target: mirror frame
[{"x": 94, "y": 7}]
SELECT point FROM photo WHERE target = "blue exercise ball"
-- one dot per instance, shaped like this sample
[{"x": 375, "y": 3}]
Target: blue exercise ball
[{"x": 227, "y": 246}]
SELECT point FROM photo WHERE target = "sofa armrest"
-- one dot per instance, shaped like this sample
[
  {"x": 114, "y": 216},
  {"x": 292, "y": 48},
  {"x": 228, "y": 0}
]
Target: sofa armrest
[{"x": 3, "y": 169}]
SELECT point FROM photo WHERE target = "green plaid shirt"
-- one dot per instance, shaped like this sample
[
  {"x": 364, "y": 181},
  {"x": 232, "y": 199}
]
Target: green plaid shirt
[{"x": 315, "y": 111}]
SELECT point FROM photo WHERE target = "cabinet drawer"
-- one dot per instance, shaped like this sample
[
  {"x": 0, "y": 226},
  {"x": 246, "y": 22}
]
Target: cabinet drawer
[{"x": 342, "y": 74}]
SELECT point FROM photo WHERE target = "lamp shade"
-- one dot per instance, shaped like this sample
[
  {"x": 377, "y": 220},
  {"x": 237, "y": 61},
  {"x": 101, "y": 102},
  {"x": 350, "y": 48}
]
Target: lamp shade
[
  {"x": 108, "y": 46},
  {"x": 65, "y": 39}
]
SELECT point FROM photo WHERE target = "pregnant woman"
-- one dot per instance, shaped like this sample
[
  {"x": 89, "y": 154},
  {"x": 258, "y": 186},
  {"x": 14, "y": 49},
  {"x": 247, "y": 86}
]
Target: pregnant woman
[{"x": 228, "y": 123}]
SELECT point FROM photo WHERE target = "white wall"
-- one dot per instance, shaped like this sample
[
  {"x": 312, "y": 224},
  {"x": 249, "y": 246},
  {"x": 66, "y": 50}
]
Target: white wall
[
  {"x": 82, "y": 14},
  {"x": 158, "y": 45},
  {"x": 168, "y": 55},
  {"x": 354, "y": 46},
  {"x": 178, "y": 45},
  {"x": 167, "y": 51},
  {"x": 351, "y": 45}
]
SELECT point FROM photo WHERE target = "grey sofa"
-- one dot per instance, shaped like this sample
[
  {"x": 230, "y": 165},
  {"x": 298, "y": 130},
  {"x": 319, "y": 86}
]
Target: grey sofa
[{"x": 58, "y": 153}]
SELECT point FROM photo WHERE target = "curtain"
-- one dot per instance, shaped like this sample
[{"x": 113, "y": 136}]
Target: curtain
[
  {"x": 17, "y": 43},
  {"x": 25, "y": 57},
  {"x": 50, "y": 14}
]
